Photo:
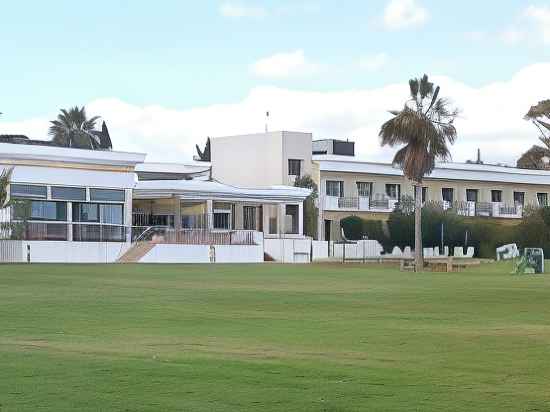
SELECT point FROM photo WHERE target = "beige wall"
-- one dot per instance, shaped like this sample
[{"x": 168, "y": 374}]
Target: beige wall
[
  {"x": 435, "y": 186},
  {"x": 259, "y": 160}
]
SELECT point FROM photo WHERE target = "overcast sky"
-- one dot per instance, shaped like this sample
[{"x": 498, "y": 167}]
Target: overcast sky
[{"x": 167, "y": 74}]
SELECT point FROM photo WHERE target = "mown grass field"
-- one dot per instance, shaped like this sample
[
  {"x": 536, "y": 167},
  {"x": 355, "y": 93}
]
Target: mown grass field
[{"x": 272, "y": 338}]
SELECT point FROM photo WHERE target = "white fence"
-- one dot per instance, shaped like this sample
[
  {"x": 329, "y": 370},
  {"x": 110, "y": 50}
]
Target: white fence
[
  {"x": 289, "y": 250},
  {"x": 174, "y": 253},
  {"x": 11, "y": 251}
]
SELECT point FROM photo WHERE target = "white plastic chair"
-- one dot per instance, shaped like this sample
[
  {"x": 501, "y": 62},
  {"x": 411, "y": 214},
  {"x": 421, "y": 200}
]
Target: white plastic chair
[
  {"x": 470, "y": 252},
  {"x": 459, "y": 251}
]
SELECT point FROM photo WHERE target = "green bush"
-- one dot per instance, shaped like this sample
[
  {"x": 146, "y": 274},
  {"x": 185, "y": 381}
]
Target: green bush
[{"x": 356, "y": 228}]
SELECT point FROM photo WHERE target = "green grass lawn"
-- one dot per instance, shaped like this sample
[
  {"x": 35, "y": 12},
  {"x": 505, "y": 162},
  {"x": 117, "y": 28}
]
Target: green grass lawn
[{"x": 272, "y": 338}]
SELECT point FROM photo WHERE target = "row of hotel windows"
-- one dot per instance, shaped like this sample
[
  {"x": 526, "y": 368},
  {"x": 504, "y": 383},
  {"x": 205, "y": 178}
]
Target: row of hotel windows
[{"x": 393, "y": 191}]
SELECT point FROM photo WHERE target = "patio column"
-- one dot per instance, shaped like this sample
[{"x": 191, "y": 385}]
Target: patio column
[
  {"x": 281, "y": 219},
  {"x": 70, "y": 221},
  {"x": 177, "y": 213},
  {"x": 301, "y": 218},
  {"x": 210, "y": 214}
]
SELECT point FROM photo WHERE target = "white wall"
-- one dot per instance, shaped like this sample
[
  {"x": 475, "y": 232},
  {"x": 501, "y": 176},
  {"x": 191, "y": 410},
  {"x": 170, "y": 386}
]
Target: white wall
[
  {"x": 288, "y": 250},
  {"x": 266, "y": 154},
  {"x": 201, "y": 254},
  {"x": 234, "y": 157},
  {"x": 73, "y": 252}
]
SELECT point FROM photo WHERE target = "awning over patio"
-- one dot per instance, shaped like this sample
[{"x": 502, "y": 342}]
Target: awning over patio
[{"x": 203, "y": 190}]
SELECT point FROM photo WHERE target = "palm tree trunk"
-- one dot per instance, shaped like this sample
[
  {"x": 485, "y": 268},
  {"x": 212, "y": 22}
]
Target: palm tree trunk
[{"x": 418, "y": 252}]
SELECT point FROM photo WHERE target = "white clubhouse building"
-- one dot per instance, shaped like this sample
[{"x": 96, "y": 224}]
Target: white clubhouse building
[{"x": 76, "y": 205}]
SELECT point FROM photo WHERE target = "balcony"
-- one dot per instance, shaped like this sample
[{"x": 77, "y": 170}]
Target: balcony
[
  {"x": 359, "y": 204},
  {"x": 488, "y": 209},
  {"x": 383, "y": 204}
]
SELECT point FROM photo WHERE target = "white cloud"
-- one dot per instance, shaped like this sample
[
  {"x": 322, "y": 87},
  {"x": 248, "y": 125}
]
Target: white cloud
[
  {"x": 491, "y": 118},
  {"x": 282, "y": 65},
  {"x": 239, "y": 10},
  {"x": 512, "y": 37},
  {"x": 541, "y": 17},
  {"x": 404, "y": 14},
  {"x": 375, "y": 62}
]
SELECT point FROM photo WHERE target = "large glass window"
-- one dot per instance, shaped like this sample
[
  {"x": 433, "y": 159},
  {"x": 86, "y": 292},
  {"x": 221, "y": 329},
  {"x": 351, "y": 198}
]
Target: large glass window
[
  {"x": 542, "y": 199},
  {"x": 335, "y": 188},
  {"x": 291, "y": 212},
  {"x": 68, "y": 193},
  {"x": 106, "y": 195},
  {"x": 111, "y": 214},
  {"x": 496, "y": 196},
  {"x": 17, "y": 190},
  {"x": 424, "y": 193},
  {"x": 222, "y": 220},
  {"x": 364, "y": 189},
  {"x": 294, "y": 167},
  {"x": 249, "y": 217},
  {"x": 40, "y": 210},
  {"x": 98, "y": 213}
]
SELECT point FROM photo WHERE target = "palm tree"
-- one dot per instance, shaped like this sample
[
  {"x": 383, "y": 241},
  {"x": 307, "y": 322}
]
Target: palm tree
[
  {"x": 5, "y": 177},
  {"x": 423, "y": 127},
  {"x": 540, "y": 116},
  {"x": 73, "y": 129}
]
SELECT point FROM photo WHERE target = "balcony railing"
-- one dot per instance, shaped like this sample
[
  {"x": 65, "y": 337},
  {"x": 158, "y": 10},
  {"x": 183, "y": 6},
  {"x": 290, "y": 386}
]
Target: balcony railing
[
  {"x": 164, "y": 235},
  {"x": 382, "y": 203},
  {"x": 361, "y": 203}
]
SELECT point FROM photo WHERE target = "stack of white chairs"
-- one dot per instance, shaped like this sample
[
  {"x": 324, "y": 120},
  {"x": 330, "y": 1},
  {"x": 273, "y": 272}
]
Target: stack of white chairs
[
  {"x": 407, "y": 252},
  {"x": 470, "y": 252},
  {"x": 436, "y": 251},
  {"x": 459, "y": 251},
  {"x": 396, "y": 251}
]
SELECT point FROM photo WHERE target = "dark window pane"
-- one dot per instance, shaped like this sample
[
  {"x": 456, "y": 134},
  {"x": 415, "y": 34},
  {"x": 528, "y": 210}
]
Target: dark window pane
[
  {"x": 106, "y": 195},
  {"x": 221, "y": 221},
  {"x": 85, "y": 212},
  {"x": 17, "y": 190},
  {"x": 447, "y": 194},
  {"x": 68, "y": 193},
  {"x": 471, "y": 195},
  {"x": 496, "y": 196},
  {"x": 294, "y": 166},
  {"x": 292, "y": 216}
]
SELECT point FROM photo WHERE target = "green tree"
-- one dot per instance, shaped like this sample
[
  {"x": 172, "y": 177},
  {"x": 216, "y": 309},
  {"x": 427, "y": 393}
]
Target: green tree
[
  {"x": 424, "y": 127},
  {"x": 311, "y": 212},
  {"x": 72, "y": 128}
]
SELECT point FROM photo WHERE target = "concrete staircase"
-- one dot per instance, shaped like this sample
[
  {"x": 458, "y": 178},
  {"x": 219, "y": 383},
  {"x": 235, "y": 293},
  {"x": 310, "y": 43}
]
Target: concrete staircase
[{"x": 136, "y": 252}]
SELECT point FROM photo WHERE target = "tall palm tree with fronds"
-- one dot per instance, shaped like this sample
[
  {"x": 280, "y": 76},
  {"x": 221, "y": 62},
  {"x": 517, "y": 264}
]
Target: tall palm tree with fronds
[
  {"x": 5, "y": 177},
  {"x": 73, "y": 129},
  {"x": 424, "y": 128}
]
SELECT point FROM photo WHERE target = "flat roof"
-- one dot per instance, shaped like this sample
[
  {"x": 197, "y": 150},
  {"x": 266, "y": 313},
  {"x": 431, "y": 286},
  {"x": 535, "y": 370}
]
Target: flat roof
[
  {"x": 442, "y": 171},
  {"x": 11, "y": 151}
]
